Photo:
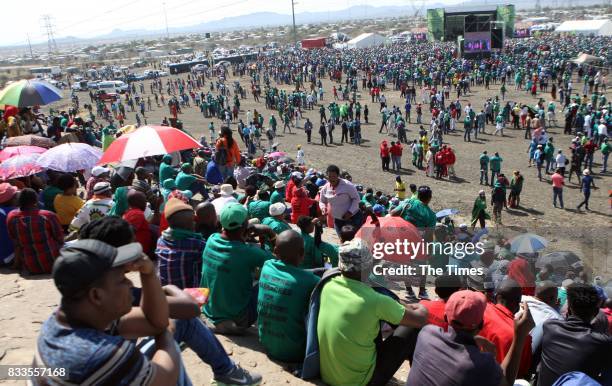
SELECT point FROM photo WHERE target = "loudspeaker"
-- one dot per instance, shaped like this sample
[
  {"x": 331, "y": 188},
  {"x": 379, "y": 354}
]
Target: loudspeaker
[{"x": 497, "y": 38}]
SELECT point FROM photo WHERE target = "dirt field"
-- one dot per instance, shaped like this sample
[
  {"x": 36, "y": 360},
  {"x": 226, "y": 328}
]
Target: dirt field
[{"x": 27, "y": 301}]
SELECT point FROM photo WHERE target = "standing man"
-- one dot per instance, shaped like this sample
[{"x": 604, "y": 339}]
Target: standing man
[
  {"x": 323, "y": 134},
  {"x": 585, "y": 188},
  {"x": 484, "y": 168},
  {"x": 495, "y": 162},
  {"x": 308, "y": 129},
  {"x": 343, "y": 200},
  {"x": 557, "y": 183}
]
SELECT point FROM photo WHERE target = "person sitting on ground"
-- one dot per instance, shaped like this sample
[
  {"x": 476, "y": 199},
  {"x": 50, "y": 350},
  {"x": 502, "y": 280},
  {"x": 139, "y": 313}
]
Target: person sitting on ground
[
  {"x": 282, "y": 305},
  {"x": 351, "y": 349},
  {"x": 67, "y": 203},
  {"x": 460, "y": 356},
  {"x": 278, "y": 195},
  {"x": 97, "y": 207},
  {"x": 276, "y": 220},
  {"x": 166, "y": 170},
  {"x": 229, "y": 264},
  {"x": 8, "y": 202},
  {"x": 259, "y": 208},
  {"x": 179, "y": 248},
  {"x": 316, "y": 250},
  {"x": 51, "y": 190},
  {"x": 142, "y": 183},
  {"x": 445, "y": 286},
  {"x": 498, "y": 326},
  {"x": 34, "y": 251},
  {"x": 186, "y": 180},
  {"x": 182, "y": 309},
  {"x": 98, "y": 174},
  {"x": 226, "y": 197},
  {"x": 573, "y": 344},
  {"x": 206, "y": 220},
  {"x": 135, "y": 215}
]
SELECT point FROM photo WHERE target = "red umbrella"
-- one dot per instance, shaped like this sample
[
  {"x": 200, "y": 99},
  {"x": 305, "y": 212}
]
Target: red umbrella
[
  {"x": 19, "y": 166},
  {"x": 148, "y": 141},
  {"x": 407, "y": 242},
  {"x": 20, "y": 150}
]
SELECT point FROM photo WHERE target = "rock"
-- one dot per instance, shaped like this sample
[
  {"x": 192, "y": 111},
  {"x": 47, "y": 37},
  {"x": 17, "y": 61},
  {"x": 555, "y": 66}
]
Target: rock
[{"x": 253, "y": 364}]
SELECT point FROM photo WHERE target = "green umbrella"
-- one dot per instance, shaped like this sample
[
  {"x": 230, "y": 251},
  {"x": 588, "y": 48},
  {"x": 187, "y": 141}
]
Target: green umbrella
[{"x": 26, "y": 93}]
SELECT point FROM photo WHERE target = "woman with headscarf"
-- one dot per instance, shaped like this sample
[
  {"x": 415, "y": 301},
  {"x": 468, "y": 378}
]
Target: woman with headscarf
[
  {"x": 479, "y": 211},
  {"x": 300, "y": 204}
]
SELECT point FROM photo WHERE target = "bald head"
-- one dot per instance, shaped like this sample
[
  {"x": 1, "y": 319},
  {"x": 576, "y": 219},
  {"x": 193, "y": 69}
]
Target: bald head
[
  {"x": 137, "y": 199},
  {"x": 546, "y": 291},
  {"x": 289, "y": 247},
  {"x": 509, "y": 295}
]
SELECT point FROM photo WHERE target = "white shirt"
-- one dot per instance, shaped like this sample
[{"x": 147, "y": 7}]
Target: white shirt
[
  {"x": 92, "y": 210},
  {"x": 220, "y": 203},
  {"x": 540, "y": 312},
  {"x": 560, "y": 160},
  {"x": 603, "y": 129}
]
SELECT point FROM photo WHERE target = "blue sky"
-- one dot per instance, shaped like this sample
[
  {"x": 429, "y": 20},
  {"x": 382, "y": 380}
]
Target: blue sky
[{"x": 92, "y": 18}]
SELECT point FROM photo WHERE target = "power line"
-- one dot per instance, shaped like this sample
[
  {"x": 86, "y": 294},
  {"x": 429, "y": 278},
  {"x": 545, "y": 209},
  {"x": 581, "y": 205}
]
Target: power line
[
  {"x": 48, "y": 27},
  {"x": 166, "y": 18}
]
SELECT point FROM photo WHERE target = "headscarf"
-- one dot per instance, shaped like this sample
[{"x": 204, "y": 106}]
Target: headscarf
[{"x": 121, "y": 204}]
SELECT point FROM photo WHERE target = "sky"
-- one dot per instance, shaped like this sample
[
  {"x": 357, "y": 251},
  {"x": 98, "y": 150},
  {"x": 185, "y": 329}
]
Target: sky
[{"x": 88, "y": 18}]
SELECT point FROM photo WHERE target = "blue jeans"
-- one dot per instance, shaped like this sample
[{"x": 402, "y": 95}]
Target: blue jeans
[
  {"x": 147, "y": 348},
  {"x": 356, "y": 221},
  {"x": 226, "y": 171},
  {"x": 558, "y": 192},
  {"x": 484, "y": 175},
  {"x": 587, "y": 195},
  {"x": 604, "y": 163}
]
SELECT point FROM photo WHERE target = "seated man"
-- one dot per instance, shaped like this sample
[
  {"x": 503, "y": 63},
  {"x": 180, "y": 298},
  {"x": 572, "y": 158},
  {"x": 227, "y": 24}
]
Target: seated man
[
  {"x": 185, "y": 313},
  {"x": 186, "y": 180},
  {"x": 226, "y": 197},
  {"x": 573, "y": 344},
  {"x": 276, "y": 220},
  {"x": 206, "y": 220},
  {"x": 278, "y": 195},
  {"x": 179, "y": 248},
  {"x": 97, "y": 207},
  {"x": 543, "y": 306},
  {"x": 445, "y": 286},
  {"x": 315, "y": 250},
  {"x": 8, "y": 202},
  {"x": 259, "y": 208},
  {"x": 352, "y": 351},
  {"x": 229, "y": 264},
  {"x": 284, "y": 293},
  {"x": 135, "y": 215},
  {"x": 459, "y": 357},
  {"x": 96, "y": 319}
]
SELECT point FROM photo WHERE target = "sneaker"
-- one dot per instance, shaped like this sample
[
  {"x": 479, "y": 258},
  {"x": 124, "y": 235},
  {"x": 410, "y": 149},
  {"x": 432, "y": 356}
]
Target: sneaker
[
  {"x": 237, "y": 377},
  {"x": 423, "y": 295}
]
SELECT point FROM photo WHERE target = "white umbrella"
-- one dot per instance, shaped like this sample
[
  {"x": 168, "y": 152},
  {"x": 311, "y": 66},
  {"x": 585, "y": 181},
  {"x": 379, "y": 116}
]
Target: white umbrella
[
  {"x": 528, "y": 243},
  {"x": 70, "y": 157}
]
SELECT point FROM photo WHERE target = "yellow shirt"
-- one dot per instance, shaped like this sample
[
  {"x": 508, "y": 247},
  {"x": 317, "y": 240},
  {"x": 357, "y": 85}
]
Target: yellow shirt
[
  {"x": 400, "y": 190},
  {"x": 66, "y": 207}
]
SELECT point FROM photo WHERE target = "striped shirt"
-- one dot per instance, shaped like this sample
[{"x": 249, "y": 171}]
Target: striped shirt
[
  {"x": 179, "y": 262},
  {"x": 90, "y": 357},
  {"x": 37, "y": 236}
]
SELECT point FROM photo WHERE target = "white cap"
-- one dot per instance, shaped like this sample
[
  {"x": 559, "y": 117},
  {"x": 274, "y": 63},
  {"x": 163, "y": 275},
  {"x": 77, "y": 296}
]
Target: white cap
[
  {"x": 277, "y": 209},
  {"x": 227, "y": 190},
  {"x": 97, "y": 171}
]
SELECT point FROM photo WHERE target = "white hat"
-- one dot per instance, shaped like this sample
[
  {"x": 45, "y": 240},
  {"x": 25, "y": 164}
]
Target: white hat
[
  {"x": 586, "y": 172},
  {"x": 101, "y": 188},
  {"x": 279, "y": 184},
  {"x": 97, "y": 171},
  {"x": 227, "y": 190},
  {"x": 277, "y": 209}
]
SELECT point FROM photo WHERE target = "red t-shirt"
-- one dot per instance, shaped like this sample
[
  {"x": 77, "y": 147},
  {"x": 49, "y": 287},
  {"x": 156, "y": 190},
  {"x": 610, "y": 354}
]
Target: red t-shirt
[
  {"x": 436, "y": 313},
  {"x": 142, "y": 231},
  {"x": 557, "y": 180},
  {"x": 499, "y": 329}
]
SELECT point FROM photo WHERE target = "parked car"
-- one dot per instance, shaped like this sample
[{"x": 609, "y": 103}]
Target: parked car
[
  {"x": 81, "y": 85},
  {"x": 105, "y": 96}
]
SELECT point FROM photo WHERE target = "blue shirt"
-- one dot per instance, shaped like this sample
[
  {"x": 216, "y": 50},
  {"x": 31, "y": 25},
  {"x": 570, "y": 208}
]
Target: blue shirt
[
  {"x": 586, "y": 183},
  {"x": 6, "y": 244}
]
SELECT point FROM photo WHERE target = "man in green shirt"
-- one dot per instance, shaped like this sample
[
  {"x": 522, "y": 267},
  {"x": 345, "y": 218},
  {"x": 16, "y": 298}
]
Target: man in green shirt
[
  {"x": 282, "y": 305},
  {"x": 348, "y": 325},
  {"x": 315, "y": 253},
  {"x": 229, "y": 264},
  {"x": 165, "y": 168},
  {"x": 605, "y": 152},
  {"x": 417, "y": 211},
  {"x": 186, "y": 180},
  {"x": 276, "y": 220},
  {"x": 278, "y": 195},
  {"x": 259, "y": 208},
  {"x": 484, "y": 167},
  {"x": 495, "y": 163}
]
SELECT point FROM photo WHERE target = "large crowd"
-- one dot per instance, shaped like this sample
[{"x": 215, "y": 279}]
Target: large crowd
[{"x": 232, "y": 235}]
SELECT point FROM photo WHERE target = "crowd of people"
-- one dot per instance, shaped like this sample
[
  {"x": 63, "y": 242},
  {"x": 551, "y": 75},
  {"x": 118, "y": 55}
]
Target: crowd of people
[{"x": 249, "y": 227}]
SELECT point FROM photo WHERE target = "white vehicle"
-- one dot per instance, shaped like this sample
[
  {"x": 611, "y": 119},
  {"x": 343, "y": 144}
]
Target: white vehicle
[{"x": 113, "y": 86}]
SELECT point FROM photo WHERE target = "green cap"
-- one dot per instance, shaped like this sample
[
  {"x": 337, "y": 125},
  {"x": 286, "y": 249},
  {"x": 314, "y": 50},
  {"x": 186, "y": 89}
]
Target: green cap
[
  {"x": 233, "y": 216},
  {"x": 185, "y": 166}
]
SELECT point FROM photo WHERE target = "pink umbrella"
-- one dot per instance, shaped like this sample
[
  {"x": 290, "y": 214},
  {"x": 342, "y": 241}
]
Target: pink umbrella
[
  {"x": 148, "y": 141},
  {"x": 277, "y": 154},
  {"x": 13, "y": 151},
  {"x": 19, "y": 166}
]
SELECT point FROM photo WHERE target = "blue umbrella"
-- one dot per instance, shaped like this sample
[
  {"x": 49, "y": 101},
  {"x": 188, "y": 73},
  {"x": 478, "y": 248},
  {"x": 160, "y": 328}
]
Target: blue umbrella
[
  {"x": 527, "y": 243},
  {"x": 446, "y": 212},
  {"x": 26, "y": 93}
]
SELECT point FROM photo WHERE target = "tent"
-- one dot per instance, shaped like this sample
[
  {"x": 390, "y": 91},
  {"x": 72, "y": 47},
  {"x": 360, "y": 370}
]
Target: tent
[
  {"x": 586, "y": 59},
  {"x": 366, "y": 40},
  {"x": 601, "y": 27}
]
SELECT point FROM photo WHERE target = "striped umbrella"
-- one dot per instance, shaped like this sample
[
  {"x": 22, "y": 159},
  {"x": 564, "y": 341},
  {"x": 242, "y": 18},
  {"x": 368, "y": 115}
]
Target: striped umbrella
[
  {"x": 148, "y": 141},
  {"x": 19, "y": 166},
  {"x": 528, "y": 243},
  {"x": 26, "y": 93}
]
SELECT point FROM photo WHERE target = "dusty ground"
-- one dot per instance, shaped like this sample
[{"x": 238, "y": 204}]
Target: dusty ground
[{"x": 27, "y": 301}]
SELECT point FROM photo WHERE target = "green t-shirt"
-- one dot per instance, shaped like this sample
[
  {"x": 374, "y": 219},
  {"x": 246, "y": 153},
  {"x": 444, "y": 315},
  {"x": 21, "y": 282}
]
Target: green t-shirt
[
  {"x": 277, "y": 196},
  {"x": 349, "y": 321},
  {"x": 259, "y": 209},
  {"x": 313, "y": 255},
  {"x": 496, "y": 163},
  {"x": 184, "y": 181},
  {"x": 228, "y": 273},
  {"x": 166, "y": 171},
  {"x": 417, "y": 213},
  {"x": 48, "y": 196},
  {"x": 282, "y": 304},
  {"x": 276, "y": 225}
]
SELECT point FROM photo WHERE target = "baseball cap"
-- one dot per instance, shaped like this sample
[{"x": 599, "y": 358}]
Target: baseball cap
[
  {"x": 97, "y": 171},
  {"x": 466, "y": 308},
  {"x": 233, "y": 216},
  {"x": 277, "y": 209},
  {"x": 354, "y": 256},
  {"x": 7, "y": 191},
  {"x": 85, "y": 261}
]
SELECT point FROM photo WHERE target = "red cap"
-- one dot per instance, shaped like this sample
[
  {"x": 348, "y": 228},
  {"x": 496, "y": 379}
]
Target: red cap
[{"x": 466, "y": 308}]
